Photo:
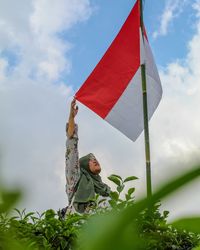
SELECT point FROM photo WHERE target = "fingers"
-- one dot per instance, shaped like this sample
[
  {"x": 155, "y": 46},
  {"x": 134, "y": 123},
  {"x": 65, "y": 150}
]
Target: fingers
[
  {"x": 74, "y": 108},
  {"x": 73, "y": 103}
]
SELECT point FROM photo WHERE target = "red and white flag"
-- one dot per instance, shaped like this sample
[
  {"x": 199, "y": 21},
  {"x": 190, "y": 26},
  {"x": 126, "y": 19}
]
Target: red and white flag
[{"x": 114, "y": 88}]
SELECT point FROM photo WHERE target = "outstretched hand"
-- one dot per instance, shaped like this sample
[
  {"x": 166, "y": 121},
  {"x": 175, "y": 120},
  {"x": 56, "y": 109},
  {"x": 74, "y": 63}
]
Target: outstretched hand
[{"x": 73, "y": 109}]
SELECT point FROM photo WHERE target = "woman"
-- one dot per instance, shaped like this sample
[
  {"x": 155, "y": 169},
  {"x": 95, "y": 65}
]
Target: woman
[{"x": 82, "y": 175}]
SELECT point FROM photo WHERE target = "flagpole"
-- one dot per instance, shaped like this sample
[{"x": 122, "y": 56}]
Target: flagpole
[{"x": 145, "y": 115}]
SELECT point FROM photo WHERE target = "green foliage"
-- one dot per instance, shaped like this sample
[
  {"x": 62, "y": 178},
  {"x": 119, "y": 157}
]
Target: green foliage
[
  {"x": 120, "y": 229},
  {"x": 115, "y": 179},
  {"x": 44, "y": 232},
  {"x": 8, "y": 199},
  {"x": 125, "y": 224},
  {"x": 160, "y": 235},
  {"x": 130, "y": 178},
  {"x": 116, "y": 202},
  {"x": 190, "y": 224}
]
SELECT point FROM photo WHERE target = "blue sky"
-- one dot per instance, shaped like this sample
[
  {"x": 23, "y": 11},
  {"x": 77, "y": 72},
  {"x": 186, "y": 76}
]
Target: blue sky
[
  {"x": 92, "y": 38},
  {"x": 47, "y": 52}
]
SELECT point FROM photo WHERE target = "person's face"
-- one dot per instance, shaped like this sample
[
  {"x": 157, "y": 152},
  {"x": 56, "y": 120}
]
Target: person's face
[{"x": 94, "y": 166}]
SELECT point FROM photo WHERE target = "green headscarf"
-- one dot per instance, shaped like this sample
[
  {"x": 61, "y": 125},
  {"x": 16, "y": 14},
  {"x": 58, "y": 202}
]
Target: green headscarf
[{"x": 89, "y": 183}]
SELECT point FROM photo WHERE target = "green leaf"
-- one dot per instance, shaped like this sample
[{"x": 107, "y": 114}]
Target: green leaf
[
  {"x": 128, "y": 197},
  {"x": 121, "y": 205},
  {"x": 64, "y": 244},
  {"x": 119, "y": 177},
  {"x": 113, "y": 203},
  {"x": 8, "y": 200},
  {"x": 196, "y": 248},
  {"x": 23, "y": 213},
  {"x": 120, "y": 188},
  {"x": 18, "y": 212},
  {"x": 114, "y": 195},
  {"x": 188, "y": 224},
  {"x": 117, "y": 229},
  {"x": 28, "y": 215},
  {"x": 49, "y": 214},
  {"x": 115, "y": 180},
  {"x": 130, "y": 178},
  {"x": 130, "y": 191},
  {"x": 165, "y": 214},
  {"x": 176, "y": 184}
]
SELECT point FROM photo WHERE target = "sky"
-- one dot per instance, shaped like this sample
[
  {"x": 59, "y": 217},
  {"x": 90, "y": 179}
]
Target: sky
[{"x": 46, "y": 53}]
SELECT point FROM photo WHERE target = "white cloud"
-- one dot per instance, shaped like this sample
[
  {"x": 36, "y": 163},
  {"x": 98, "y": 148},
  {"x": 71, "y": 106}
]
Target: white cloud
[
  {"x": 59, "y": 15},
  {"x": 3, "y": 67},
  {"x": 33, "y": 113},
  {"x": 196, "y": 6},
  {"x": 46, "y": 22},
  {"x": 179, "y": 123},
  {"x": 31, "y": 32},
  {"x": 173, "y": 9},
  {"x": 32, "y": 97},
  {"x": 32, "y": 141}
]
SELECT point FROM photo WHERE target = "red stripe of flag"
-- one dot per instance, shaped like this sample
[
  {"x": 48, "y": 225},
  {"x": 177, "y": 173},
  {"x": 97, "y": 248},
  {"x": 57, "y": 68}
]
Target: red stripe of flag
[{"x": 115, "y": 70}]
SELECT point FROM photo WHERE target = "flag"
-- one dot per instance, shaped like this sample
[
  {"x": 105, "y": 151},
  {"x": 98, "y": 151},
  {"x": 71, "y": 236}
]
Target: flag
[{"x": 114, "y": 88}]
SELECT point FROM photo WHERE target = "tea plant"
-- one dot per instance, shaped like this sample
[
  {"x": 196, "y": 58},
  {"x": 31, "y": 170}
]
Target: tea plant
[{"x": 124, "y": 224}]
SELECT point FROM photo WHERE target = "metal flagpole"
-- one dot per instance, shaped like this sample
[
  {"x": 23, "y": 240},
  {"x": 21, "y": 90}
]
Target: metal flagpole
[{"x": 145, "y": 114}]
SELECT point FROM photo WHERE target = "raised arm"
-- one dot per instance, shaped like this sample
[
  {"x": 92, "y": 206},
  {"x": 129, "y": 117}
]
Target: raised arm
[
  {"x": 72, "y": 168},
  {"x": 71, "y": 123}
]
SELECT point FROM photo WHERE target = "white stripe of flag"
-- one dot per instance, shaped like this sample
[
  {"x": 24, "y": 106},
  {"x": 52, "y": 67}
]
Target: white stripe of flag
[{"x": 114, "y": 88}]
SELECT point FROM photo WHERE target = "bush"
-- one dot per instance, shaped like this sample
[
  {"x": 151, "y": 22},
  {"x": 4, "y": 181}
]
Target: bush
[{"x": 125, "y": 224}]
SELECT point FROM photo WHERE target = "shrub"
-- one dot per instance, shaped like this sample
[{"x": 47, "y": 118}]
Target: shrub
[{"x": 125, "y": 224}]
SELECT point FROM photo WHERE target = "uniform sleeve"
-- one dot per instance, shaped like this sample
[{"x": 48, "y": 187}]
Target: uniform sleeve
[{"x": 72, "y": 168}]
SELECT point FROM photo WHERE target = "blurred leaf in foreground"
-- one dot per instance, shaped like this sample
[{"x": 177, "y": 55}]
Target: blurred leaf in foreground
[
  {"x": 118, "y": 230},
  {"x": 8, "y": 200},
  {"x": 189, "y": 224}
]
